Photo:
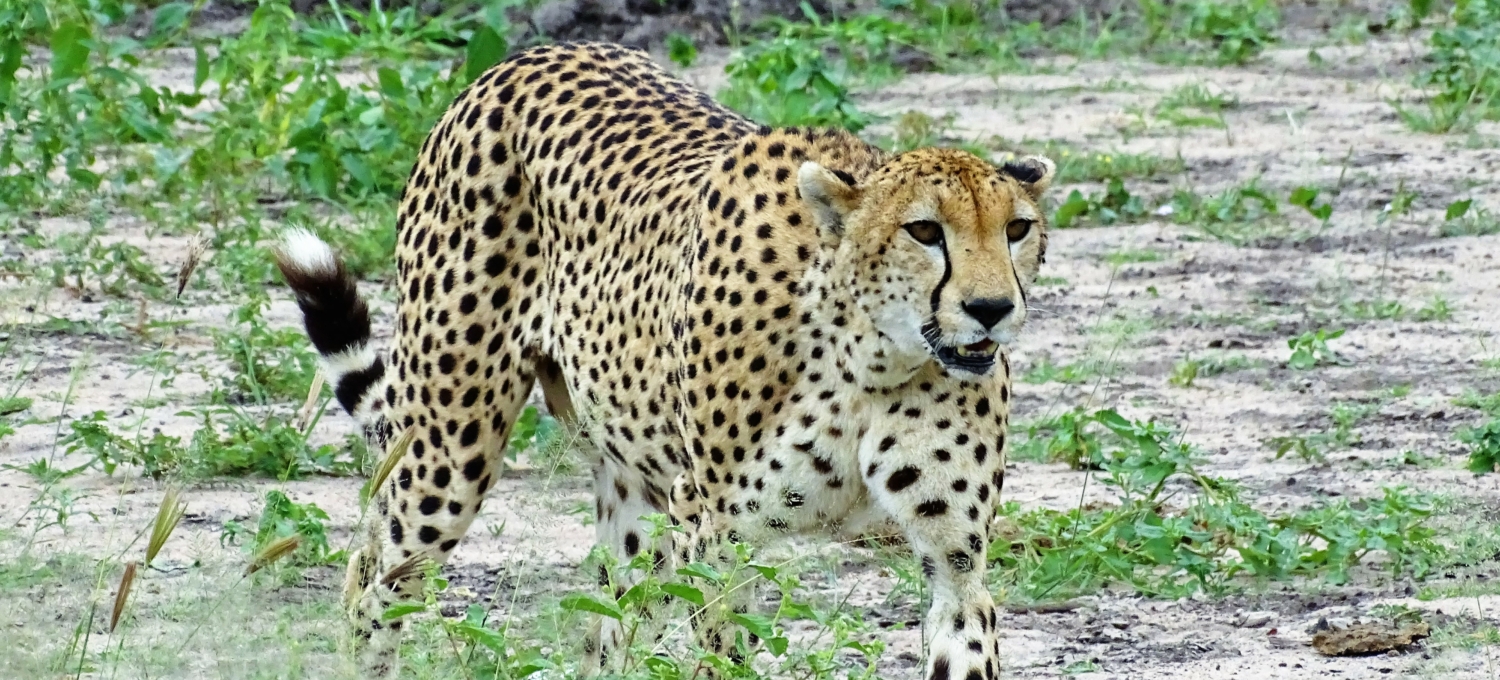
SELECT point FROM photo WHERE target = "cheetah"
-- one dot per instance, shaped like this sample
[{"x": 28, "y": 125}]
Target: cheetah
[{"x": 757, "y": 332}]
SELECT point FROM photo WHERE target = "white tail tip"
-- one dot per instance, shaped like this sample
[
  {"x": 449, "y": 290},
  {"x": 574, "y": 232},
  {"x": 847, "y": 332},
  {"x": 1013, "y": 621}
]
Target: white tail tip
[{"x": 303, "y": 250}]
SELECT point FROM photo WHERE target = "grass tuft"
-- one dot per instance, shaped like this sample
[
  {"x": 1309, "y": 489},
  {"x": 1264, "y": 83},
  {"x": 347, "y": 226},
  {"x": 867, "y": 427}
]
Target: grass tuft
[
  {"x": 273, "y": 553},
  {"x": 122, "y": 594},
  {"x": 168, "y": 515}
]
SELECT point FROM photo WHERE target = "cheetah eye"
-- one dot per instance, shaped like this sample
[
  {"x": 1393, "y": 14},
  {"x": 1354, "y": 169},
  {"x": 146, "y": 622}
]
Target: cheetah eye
[
  {"x": 926, "y": 232},
  {"x": 1017, "y": 230}
]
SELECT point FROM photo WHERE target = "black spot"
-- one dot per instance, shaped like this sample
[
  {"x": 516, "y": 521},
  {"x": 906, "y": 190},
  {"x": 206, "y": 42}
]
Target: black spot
[
  {"x": 933, "y": 508},
  {"x": 902, "y": 478},
  {"x": 470, "y": 435},
  {"x": 474, "y": 468},
  {"x": 940, "y": 669}
]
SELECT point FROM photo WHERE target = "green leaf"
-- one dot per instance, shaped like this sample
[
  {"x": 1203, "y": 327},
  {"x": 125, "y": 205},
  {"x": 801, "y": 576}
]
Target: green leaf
[
  {"x": 322, "y": 176},
  {"x": 588, "y": 602},
  {"x": 683, "y": 592},
  {"x": 70, "y": 51},
  {"x": 1458, "y": 209},
  {"x": 491, "y": 639},
  {"x": 390, "y": 83},
  {"x": 1114, "y": 421},
  {"x": 169, "y": 18},
  {"x": 200, "y": 67},
  {"x": 401, "y": 609},
  {"x": 1071, "y": 209},
  {"x": 768, "y": 573},
  {"x": 681, "y": 50},
  {"x": 486, "y": 48},
  {"x": 86, "y": 177},
  {"x": 1303, "y": 196},
  {"x": 11, "y": 52},
  {"x": 358, "y": 170},
  {"x": 701, "y": 570},
  {"x": 9, "y": 405}
]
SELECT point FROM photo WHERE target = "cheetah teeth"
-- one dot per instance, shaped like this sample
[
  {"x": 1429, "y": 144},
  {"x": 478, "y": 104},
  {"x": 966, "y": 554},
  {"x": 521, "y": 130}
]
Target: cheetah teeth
[{"x": 983, "y": 348}]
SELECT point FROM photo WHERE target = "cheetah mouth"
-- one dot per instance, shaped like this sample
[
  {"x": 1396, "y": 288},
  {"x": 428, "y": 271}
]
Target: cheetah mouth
[{"x": 978, "y": 357}]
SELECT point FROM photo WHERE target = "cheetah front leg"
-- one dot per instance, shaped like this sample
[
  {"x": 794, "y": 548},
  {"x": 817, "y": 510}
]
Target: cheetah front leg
[
  {"x": 623, "y": 500},
  {"x": 940, "y": 480},
  {"x": 707, "y": 539}
]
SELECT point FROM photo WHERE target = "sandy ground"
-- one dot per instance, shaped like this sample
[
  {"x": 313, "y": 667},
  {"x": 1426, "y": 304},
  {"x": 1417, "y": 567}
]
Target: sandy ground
[{"x": 1173, "y": 293}]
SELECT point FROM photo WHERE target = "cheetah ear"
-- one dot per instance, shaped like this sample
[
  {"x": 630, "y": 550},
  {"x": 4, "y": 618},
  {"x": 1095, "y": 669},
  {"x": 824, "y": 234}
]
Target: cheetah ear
[
  {"x": 1034, "y": 173},
  {"x": 831, "y": 194}
]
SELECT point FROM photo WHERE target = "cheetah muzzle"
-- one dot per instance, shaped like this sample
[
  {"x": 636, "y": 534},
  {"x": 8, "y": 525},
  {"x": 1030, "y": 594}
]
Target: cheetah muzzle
[{"x": 757, "y": 332}]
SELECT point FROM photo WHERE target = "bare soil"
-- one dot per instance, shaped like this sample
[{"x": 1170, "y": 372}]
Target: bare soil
[{"x": 1178, "y": 293}]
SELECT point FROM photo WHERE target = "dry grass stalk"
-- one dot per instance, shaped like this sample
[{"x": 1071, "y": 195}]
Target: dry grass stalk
[
  {"x": 195, "y": 251},
  {"x": 388, "y": 464},
  {"x": 168, "y": 515},
  {"x": 313, "y": 393},
  {"x": 273, "y": 552},
  {"x": 122, "y": 594},
  {"x": 141, "y": 317},
  {"x": 408, "y": 568}
]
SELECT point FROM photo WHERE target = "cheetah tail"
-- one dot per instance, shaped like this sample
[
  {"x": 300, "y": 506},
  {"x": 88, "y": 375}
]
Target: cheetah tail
[{"x": 337, "y": 320}]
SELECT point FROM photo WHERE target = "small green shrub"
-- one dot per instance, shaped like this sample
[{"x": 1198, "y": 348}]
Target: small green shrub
[
  {"x": 1114, "y": 205},
  {"x": 1239, "y": 204},
  {"x": 788, "y": 80},
  {"x": 265, "y": 363},
  {"x": 281, "y": 517},
  {"x": 1238, "y": 30},
  {"x": 228, "y": 442},
  {"x": 1311, "y": 349},
  {"x": 1231, "y": 32},
  {"x": 1463, "y": 218},
  {"x": 1464, "y": 72},
  {"x": 1484, "y": 446},
  {"x": 681, "y": 50},
  {"x": 1307, "y": 198}
]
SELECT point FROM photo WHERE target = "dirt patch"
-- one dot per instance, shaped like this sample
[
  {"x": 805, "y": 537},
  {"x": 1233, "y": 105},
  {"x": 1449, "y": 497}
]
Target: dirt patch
[{"x": 1364, "y": 639}]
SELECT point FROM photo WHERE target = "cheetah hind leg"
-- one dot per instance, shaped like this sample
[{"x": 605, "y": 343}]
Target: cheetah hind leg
[{"x": 367, "y": 594}]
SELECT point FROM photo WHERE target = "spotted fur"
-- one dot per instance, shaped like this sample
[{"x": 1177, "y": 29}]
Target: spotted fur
[{"x": 757, "y": 331}]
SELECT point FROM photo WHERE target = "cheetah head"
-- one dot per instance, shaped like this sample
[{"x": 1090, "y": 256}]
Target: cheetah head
[{"x": 940, "y": 247}]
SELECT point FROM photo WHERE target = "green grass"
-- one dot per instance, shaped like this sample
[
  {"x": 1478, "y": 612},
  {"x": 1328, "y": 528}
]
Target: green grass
[
  {"x": 1171, "y": 554},
  {"x": 1186, "y": 372}
]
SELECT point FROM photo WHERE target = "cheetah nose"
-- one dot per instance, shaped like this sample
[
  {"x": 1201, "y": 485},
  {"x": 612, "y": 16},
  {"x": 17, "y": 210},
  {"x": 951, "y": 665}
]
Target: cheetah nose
[{"x": 989, "y": 311}]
